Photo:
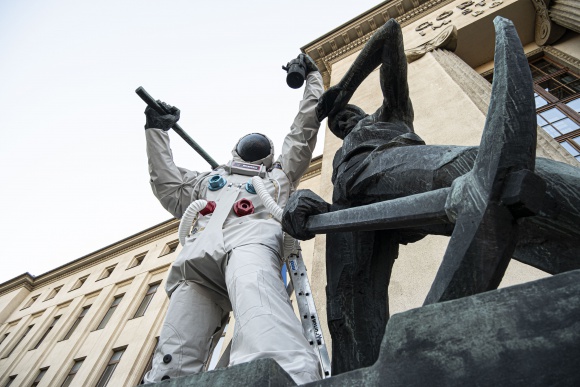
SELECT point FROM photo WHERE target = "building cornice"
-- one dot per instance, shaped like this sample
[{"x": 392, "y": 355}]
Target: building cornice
[
  {"x": 563, "y": 58},
  {"x": 351, "y": 36},
  {"x": 25, "y": 280},
  {"x": 132, "y": 242},
  {"x": 314, "y": 168}
]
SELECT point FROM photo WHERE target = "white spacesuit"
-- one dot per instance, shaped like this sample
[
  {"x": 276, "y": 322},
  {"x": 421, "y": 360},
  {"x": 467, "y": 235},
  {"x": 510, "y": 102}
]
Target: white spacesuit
[{"x": 233, "y": 262}]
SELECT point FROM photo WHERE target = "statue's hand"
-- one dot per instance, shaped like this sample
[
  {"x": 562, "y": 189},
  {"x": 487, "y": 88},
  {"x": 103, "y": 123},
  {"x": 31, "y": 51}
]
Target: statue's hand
[
  {"x": 332, "y": 101},
  {"x": 156, "y": 120},
  {"x": 301, "y": 205}
]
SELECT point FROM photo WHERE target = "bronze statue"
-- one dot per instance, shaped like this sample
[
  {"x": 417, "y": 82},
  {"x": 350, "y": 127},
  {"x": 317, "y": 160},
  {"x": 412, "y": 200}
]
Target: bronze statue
[{"x": 497, "y": 201}]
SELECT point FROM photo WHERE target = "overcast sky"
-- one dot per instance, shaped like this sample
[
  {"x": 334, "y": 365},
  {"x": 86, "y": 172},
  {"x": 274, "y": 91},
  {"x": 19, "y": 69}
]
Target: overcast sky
[{"x": 74, "y": 169}]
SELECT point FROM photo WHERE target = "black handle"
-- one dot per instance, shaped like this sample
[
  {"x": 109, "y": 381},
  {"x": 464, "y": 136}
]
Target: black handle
[{"x": 152, "y": 103}]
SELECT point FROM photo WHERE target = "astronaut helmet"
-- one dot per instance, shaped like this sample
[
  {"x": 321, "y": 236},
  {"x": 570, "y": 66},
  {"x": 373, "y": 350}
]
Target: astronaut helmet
[{"x": 254, "y": 148}]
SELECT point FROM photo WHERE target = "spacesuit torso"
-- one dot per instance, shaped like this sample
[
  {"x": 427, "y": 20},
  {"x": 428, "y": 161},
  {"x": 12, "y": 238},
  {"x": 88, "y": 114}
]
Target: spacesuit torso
[{"x": 202, "y": 258}]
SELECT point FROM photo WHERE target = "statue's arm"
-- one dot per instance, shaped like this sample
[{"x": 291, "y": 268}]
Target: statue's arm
[
  {"x": 300, "y": 142},
  {"x": 371, "y": 56},
  {"x": 397, "y": 104},
  {"x": 175, "y": 187},
  {"x": 301, "y": 205}
]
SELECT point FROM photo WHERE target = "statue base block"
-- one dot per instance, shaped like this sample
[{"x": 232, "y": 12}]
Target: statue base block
[
  {"x": 524, "y": 335},
  {"x": 257, "y": 373}
]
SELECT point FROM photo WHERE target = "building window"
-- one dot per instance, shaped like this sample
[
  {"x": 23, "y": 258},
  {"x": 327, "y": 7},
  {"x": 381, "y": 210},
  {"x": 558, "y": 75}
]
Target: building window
[
  {"x": 73, "y": 371},
  {"x": 108, "y": 372},
  {"x": 107, "y": 273},
  {"x": 149, "y": 364},
  {"x": 4, "y": 337},
  {"x": 79, "y": 283},
  {"x": 146, "y": 300},
  {"x": 10, "y": 380},
  {"x": 19, "y": 340},
  {"x": 557, "y": 97},
  {"x": 39, "y": 377},
  {"x": 137, "y": 260},
  {"x": 77, "y": 322},
  {"x": 110, "y": 312},
  {"x": 53, "y": 293},
  {"x": 30, "y": 302},
  {"x": 47, "y": 332},
  {"x": 169, "y": 248}
]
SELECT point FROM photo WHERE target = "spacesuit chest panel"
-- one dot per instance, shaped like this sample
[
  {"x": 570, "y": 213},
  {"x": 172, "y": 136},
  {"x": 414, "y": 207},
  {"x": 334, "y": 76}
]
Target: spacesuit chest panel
[
  {"x": 276, "y": 184},
  {"x": 258, "y": 227}
]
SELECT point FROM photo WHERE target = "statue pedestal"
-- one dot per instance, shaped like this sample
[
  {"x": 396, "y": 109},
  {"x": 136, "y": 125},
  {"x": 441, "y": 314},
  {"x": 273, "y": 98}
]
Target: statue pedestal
[
  {"x": 257, "y": 373},
  {"x": 526, "y": 335}
]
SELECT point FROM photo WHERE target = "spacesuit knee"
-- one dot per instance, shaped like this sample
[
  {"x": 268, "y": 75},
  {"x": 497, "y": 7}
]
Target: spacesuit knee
[{"x": 186, "y": 335}]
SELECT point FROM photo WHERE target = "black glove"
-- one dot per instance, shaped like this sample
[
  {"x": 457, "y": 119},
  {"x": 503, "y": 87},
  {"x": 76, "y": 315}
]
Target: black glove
[
  {"x": 300, "y": 206},
  {"x": 156, "y": 120},
  {"x": 308, "y": 63}
]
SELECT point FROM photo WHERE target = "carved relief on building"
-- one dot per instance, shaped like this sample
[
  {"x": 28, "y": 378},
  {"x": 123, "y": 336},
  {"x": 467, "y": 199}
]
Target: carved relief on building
[
  {"x": 344, "y": 41},
  {"x": 566, "y": 13},
  {"x": 447, "y": 40},
  {"x": 547, "y": 32}
]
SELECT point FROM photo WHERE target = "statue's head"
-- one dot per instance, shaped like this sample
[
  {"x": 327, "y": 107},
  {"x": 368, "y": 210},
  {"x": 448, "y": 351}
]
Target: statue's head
[
  {"x": 254, "y": 148},
  {"x": 345, "y": 120}
]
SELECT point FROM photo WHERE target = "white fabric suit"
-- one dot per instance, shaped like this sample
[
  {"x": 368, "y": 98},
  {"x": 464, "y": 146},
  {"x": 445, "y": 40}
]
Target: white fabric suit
[{"x": 232, "y": 262}]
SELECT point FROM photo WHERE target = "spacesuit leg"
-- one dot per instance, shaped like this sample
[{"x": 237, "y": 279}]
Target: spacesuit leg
[
  {"x": 191, "y": 320},
  {"x": 266, "y": 326}
]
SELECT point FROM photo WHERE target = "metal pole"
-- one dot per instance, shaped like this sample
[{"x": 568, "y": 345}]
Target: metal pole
[{"x": 146, "y": 97}]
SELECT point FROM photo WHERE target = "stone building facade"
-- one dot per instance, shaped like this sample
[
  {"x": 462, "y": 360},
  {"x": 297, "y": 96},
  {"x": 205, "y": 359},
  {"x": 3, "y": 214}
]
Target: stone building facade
[{"x": 95, "y": 321}]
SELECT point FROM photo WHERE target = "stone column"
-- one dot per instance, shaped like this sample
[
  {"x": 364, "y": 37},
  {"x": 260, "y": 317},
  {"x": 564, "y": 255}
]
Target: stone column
[
  {"x": 566, "y": 13},
  {"x": 547, "y": 32}
]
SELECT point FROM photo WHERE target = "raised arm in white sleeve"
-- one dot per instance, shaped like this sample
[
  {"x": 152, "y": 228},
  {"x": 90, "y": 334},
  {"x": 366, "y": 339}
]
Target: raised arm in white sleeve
[
  {"x": 300, "y": 142},
  {"x": 175, "y": 187}
]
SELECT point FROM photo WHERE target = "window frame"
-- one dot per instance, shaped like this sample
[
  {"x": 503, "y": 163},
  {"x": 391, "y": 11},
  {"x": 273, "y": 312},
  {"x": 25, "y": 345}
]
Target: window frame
[
  {"x": 26, "y": 332},
  {"x": 79, "y": 283},
  {"x": 53, "y": 293},
  {"x": 145, "y": 302},
  {"x": 170, "y": 247},
  {"x": 30, "y": 302},
  {"x": 149, "y": 364},
  {"x": 110, "y": 311},
  {"x": 72, "y": 373},
  {"x": 39, "y": 377},
  {"x": 4, "y": 337},
  {"x": 10, "y": 380},
  {"x": 77, "y": 322},
  {"x": 553, "y": 101},
  {"x": 54, "y": 321},
  {"x": 107, "y": 272},
  {"x": 114, "y": 363},
  {"x": 137, "y": 260}
]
